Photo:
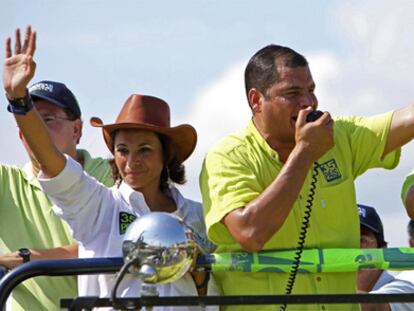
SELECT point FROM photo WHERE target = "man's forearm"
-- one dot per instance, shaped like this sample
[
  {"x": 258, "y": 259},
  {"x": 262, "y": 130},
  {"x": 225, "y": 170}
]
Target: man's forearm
[
  {"x": 51, "y": 160},
  {"x": 401, "y": 129},
  {"x": 254, "y": 224},
  {"x": 63, "y": 252},
  {"x": 12, "y": 260}
]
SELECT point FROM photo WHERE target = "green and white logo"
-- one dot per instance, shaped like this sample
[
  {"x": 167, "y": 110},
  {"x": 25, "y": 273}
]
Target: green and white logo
[{"x": 125, "y": 219}]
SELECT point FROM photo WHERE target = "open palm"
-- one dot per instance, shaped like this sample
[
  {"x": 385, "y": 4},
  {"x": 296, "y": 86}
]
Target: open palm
[{"x": 19, "y": 67}]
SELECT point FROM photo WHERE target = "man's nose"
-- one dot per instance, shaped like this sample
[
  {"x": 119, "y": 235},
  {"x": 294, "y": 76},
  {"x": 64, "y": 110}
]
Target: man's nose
[{"x": 309, "y": 100}]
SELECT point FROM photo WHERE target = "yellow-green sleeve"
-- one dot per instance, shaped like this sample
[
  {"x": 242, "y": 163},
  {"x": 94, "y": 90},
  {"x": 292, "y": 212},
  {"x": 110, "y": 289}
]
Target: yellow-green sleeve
[
  {"x": 368, "y": 137},
  {"x": 226, "y": 183},
  {"x": 409, "y": 181}
]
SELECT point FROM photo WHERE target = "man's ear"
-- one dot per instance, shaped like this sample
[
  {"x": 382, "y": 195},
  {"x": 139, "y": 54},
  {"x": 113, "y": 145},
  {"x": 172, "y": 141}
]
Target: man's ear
[
  {"x": 77, "y": 130},
  {"x": 255, "y": 100}
]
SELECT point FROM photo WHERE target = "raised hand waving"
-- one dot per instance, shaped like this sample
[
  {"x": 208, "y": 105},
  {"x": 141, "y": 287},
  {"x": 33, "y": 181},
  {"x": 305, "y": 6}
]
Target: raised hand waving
[{"x": 19, "y": 66}]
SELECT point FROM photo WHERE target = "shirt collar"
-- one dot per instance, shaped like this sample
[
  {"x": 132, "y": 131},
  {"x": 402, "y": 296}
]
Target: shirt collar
[
  {"x": 136, "y": 200},
  {"x": 255, "y": 134},
  {"x": 180, "y": 202}
]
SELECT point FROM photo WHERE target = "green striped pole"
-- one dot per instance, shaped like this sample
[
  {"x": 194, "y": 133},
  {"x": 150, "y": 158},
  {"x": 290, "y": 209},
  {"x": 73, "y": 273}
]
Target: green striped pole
[{"x": 313, "y": 260}]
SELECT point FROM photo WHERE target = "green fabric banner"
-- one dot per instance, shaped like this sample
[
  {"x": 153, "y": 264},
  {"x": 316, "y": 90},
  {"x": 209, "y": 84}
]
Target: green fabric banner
[{"x": 316, "y": 260}]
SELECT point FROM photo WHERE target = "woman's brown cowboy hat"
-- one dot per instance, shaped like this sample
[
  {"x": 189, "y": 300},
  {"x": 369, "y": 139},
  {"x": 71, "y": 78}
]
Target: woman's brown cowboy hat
[{"x": 152, "y": 114}]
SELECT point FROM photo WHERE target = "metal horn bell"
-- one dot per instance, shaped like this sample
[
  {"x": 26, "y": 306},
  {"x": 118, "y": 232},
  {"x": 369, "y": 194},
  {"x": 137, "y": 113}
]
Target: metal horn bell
[{"x": 161, "y": 244}]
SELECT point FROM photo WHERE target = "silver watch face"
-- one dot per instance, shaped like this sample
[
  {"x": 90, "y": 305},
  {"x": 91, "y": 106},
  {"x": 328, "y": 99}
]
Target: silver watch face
[{"x": 24, "y": 252}]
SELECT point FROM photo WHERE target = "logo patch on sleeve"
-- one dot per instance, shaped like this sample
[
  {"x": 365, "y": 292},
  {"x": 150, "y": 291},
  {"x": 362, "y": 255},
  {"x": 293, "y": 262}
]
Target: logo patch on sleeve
[
  {"x": 125, "y": 219},
  {"x": 330, "y": 170}
]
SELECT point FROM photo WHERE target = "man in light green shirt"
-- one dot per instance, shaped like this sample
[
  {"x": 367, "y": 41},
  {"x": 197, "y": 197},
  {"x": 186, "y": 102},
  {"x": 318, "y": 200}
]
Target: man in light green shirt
[
  {"x": 263, "y": 185},
  {"x": 26, "y": 216}
]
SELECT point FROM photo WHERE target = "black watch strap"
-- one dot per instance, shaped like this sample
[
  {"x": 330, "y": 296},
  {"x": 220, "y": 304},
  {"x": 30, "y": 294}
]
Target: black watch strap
[
  {"x": 20, "y": 105},
  {"x": 25, "y": 254}
]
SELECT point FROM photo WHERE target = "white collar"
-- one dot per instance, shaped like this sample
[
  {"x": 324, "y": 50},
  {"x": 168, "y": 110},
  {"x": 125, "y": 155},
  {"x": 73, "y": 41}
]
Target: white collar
[{"x": 136, "y": 200}]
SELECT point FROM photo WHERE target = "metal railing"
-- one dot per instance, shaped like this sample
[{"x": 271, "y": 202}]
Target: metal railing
[
  {"x": 88, "y": 303},
  {"x": 112, "y": 265},
  {"x": 60, "y": 267}
]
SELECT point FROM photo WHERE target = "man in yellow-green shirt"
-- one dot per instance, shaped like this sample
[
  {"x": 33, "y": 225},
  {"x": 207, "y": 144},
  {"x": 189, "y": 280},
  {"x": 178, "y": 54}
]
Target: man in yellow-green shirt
[
  {"x": 256, "y": 183},
  {"x": 26, "y": 216},
  {"x": 407, "y": 194}
]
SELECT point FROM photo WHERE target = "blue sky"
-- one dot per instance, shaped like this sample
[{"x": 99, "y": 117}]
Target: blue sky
[{"x": 192, "y": 54}]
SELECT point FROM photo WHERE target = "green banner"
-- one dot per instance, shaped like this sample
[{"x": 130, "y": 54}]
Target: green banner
[{"x": 316, "y": 260}]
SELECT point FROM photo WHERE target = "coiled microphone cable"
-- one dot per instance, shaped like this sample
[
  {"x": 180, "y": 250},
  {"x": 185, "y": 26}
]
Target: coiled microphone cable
[{"x": 302, "y": 235}]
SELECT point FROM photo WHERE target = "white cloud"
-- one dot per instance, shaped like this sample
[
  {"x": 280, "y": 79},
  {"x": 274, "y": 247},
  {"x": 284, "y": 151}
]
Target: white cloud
[
  {"x": 376, "y": 77},
  {"x": 395, "y": 229},
  {"x": 218, "y": 110},
  {"x": 221, "y": 107},
  {"x": 86, "y": 41},
  {"x": 326, "y": 69}
]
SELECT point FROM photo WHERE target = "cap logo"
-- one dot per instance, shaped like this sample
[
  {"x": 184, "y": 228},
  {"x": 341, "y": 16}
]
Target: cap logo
[
  {"x": 362, "y": 212},
  {"x": 42, "y": 87}
]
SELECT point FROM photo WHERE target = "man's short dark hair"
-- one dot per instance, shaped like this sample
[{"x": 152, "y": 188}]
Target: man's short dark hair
[
  {"x": 410, "y": 229},
  {"x": 261, "y": 71}
]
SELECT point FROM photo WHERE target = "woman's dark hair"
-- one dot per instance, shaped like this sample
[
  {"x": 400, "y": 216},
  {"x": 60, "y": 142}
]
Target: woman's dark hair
[{"x": 173, "y": 170}]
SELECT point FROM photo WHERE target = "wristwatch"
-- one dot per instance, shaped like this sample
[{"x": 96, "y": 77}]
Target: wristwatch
[
  {"x": 25, "y": 254},
  {"x": 20, "y": 105}
]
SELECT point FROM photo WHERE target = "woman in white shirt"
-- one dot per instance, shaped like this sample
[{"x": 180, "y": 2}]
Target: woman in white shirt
[{"x": 148, "y": 160}]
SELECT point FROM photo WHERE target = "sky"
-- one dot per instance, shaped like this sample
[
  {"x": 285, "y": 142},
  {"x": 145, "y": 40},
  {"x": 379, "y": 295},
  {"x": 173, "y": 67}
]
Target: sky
[{"x": 193, "y": 53}]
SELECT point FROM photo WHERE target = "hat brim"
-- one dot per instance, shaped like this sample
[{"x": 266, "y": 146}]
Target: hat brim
[
  {"x": 50, "y": 100},
  {"x": 183, "y": 137},
  {"x": 369, "y": 227}
]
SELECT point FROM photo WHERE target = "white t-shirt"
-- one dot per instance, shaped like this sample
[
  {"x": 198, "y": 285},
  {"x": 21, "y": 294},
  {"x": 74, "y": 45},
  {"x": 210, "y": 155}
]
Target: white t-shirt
[
  {"x": 385, "y": 278},
  {"x": 402, "y": 283},
  {"x": 98, "y": 217}
]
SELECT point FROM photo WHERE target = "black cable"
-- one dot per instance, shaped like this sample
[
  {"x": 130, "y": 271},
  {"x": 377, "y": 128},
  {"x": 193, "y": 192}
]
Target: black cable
[
  {"x": 302, "y": 235},
  {"x": 115, "y": 301}
]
